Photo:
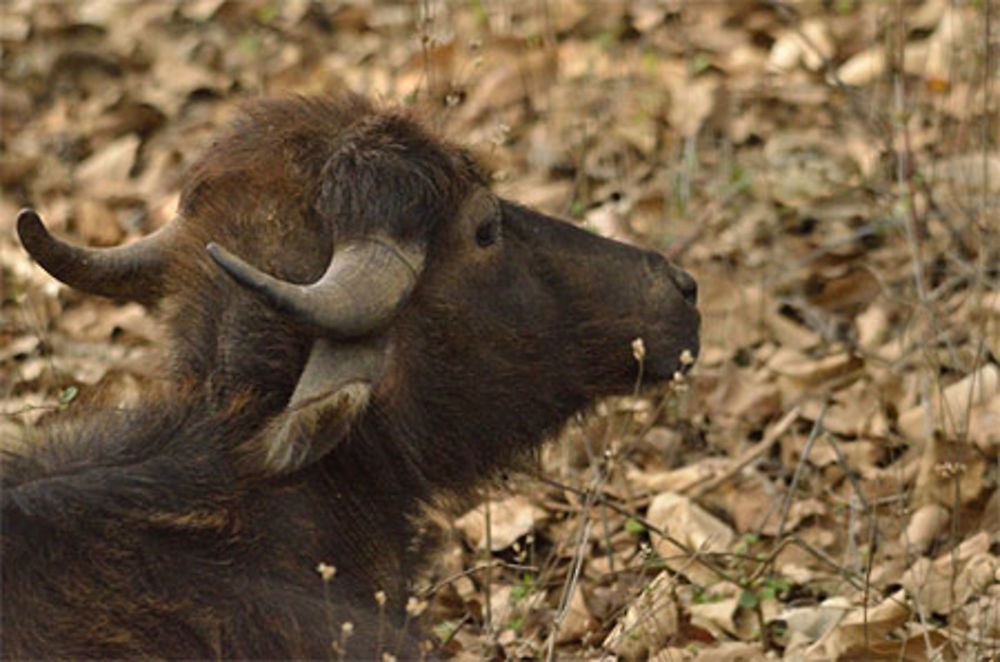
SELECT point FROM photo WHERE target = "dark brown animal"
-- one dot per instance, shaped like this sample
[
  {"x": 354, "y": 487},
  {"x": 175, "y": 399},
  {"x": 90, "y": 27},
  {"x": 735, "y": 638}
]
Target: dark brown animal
[{"x": 381, "y": 330}]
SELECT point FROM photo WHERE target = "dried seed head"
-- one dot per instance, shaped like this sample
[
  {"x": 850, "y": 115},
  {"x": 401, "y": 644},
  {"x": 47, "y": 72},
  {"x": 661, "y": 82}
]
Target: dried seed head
[
  {"x": 500, "y": 134},
  {"x": 415, "y": 606},
  {"x": 950, "y": 469},
  {"x": 679, "y": 382},
  {"x": 687, "y": 358},
  {"x": 326, "y": 571},
  {"x": 380, "y": 598},
  {"x": 346, "y": 629},
  {"x": 639, "y": 350},
  {"x": 388, "y": 657}
]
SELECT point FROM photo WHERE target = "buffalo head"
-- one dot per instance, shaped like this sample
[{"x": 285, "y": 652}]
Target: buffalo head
[{"x": 359, "y": 264}]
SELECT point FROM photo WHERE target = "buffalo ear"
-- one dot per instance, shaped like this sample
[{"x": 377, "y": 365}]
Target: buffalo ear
[
  {"x": 304, "y": 434},
  {"x": 332, "y": 392}
]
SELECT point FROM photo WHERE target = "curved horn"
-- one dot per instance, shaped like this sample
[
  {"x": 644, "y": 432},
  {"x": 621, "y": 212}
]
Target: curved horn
[
  {"x": 133, "y": 272},
  {"x": 366, "y": 281}
]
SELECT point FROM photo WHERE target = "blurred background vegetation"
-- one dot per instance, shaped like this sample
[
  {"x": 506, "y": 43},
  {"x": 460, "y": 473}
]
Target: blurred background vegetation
[{"x": 824, "y": 486}]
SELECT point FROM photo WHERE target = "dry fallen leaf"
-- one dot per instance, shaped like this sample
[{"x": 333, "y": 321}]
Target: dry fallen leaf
[
  {"x": 673, "y": 654},
  {"x": 951, "y": 580},
  {"x": 578, "y": 622},
  {"x": 732, "y": 651},
  {"x": 860, "y": 628},
  {"x": 807, "y": 625},
  {"x": 650, "y": 621},
  {"x": 509, "y": 520},
  {"x": 809, "y": 44},
  {"x": 809, "y": 165},
  {"x": 949, "y": 411},
  {"x": 691, "y": 105},
  {"x": 720, "y": 612},
  {"x": 112, "y": 163},
  {"x": 693, "y": 526},
  {"x": 925, "y": 525}
]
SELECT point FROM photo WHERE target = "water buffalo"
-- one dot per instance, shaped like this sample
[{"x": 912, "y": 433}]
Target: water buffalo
[{"x": 362, "y": 326}]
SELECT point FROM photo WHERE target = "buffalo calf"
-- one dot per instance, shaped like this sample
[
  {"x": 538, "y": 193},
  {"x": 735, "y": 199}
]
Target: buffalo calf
[{"x": 370, "y": 327}]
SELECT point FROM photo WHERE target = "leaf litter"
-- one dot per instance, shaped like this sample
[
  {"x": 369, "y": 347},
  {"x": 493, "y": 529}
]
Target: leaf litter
[{"x": 823, "y": 486}]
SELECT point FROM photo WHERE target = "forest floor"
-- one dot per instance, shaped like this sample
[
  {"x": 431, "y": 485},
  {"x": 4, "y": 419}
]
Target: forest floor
[{"x": 824, "y": 484}]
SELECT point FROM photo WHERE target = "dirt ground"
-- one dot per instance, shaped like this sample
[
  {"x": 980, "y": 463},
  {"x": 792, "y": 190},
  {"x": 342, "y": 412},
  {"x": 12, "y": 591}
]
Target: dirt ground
[{"x": 823, "y": 486}]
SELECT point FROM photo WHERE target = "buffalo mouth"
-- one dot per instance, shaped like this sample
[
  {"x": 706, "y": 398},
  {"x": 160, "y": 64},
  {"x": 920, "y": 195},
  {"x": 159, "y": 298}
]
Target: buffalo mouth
[
  {"x": 657, "y": 373},
  {"x": 672, "y": 360}
]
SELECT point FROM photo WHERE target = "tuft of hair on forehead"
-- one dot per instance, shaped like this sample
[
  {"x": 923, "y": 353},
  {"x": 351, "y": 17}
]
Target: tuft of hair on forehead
[
  {"x": 389, "y": 174},
  {"x": 366, "y": 167},
  {"x": 278, "y": 144}
]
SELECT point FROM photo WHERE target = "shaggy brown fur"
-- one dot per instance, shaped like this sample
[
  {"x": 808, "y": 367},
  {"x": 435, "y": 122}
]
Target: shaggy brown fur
[
  {"x": 127, "y": 536},
  {"x": 281, "y": 187}
]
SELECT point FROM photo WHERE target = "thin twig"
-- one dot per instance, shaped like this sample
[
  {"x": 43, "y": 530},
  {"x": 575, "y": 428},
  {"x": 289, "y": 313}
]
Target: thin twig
[
  {"x": 872, "y": 531},
  {"x": 851, "y": 477},
  {"x": 852, "y": 578},
  {"x": 488, "y": 580},
  {"x": 458, "y": 626},
  {"x": 759, "y": 449},
  {"x": 569, "y": 588},
  {"x": 790, "y": 494},
  {"x": 702, "y": 223},
  {"x": 652, "y": 528},
  {"x": 495, "y": 563}
]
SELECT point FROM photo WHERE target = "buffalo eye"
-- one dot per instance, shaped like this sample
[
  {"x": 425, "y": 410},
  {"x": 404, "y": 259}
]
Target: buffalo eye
[{"x": 487, "y": 233}]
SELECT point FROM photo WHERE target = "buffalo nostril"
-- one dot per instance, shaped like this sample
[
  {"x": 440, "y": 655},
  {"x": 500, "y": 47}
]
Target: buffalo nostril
[{"x": 687, "y": 285}]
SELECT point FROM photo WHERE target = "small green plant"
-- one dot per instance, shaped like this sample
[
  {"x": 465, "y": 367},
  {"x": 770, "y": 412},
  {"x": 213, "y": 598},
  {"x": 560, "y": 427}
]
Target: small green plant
[
  {"x": 654, "y": 562},
  {"x": 523, "y": 589},
  {"x": 481, "y": 12},
  {"x": 267, "y": 13},
  {"x": 746, "y": 541},
  {"x": 740, "y": 177},
  {"x": 650, "y": 61},
  {"x": 772, "y": 588},
  {"x": 607, "y": 39},
  {"x": 704, "y": 596},
  {"x": 445, "y": 629},
  {"x": 634, "y": 526},
  {"x": 249, "y": 44},
  {"x": 67, "y": 395},
  {"x": 748, "y": 599},
  {"x": 844, "y": 7},
  {"x": 700, "y": 63}
]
